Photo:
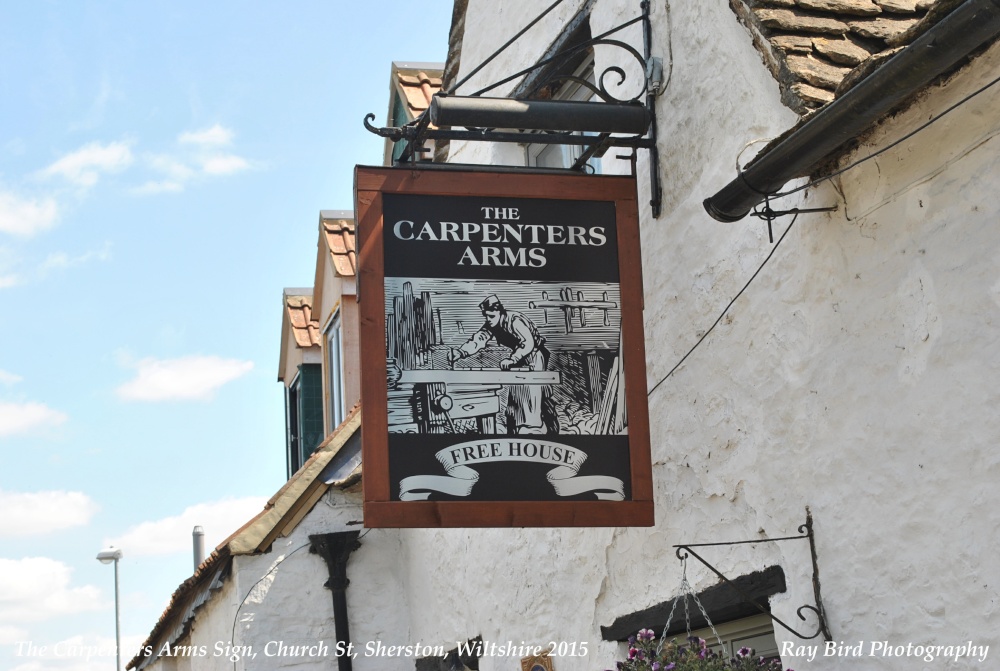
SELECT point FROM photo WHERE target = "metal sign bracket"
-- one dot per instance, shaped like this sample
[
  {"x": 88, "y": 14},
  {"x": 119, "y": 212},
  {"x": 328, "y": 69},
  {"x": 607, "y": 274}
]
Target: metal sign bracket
[
  {"x": 594, "y": 144},
  {"x": 806, "y": 531}
]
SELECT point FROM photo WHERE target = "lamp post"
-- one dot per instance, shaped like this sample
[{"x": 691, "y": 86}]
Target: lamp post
[{"x": 106, "y": 556}]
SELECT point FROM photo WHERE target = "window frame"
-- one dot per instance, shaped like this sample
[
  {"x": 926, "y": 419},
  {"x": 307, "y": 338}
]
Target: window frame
[
  {"x": 575, "y": 92},
  {"x": 333, "y": 377}
]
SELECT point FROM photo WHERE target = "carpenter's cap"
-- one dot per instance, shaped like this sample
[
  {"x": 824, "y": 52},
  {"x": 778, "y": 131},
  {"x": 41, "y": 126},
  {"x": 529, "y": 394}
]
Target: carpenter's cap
[{"x": 491, "y": 303}]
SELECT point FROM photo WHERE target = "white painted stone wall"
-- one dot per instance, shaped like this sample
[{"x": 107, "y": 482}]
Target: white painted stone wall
[{"x": 857, "y": 376}]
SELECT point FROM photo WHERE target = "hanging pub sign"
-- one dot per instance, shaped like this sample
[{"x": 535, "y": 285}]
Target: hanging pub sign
[{"x": 502, "y": 348}]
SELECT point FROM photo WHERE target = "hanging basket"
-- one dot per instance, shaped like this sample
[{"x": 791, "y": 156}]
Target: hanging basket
[{"x": 647, "y": 652}]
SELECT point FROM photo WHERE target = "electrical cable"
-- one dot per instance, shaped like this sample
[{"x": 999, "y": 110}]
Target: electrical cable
[
  {"x": 806, "y": 186},
  {"x": 269, "y": 572},
  {"x": 501, "y": 49},
  {"x": 725, "y": 310},
  {"x": 890, "y": 146}
]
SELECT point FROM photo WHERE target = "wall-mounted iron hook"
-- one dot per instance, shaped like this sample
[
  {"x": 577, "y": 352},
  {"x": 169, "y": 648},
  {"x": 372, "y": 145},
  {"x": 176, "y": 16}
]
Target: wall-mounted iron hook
[{"x": 683, "y": 551}]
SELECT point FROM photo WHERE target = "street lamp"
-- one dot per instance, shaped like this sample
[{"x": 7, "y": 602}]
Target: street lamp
[{"x": 106, "y": 556}]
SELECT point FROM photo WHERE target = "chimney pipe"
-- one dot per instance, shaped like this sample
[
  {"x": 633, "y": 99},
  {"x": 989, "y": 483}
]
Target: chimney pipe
[{"x": 198, "y": 542}]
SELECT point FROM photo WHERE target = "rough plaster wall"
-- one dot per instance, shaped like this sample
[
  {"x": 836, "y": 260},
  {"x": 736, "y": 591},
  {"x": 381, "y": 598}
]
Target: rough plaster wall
[
  {"x": 488, "y": 25},
  {"x": 540, "y": 585},
  {"x": 855, "y": 377},
  {"x": 292, "y": 604},
  {"x": 212, "y": 625},
  {"x": 529, "y": 586},
  {"x": 903, "y": 289}
]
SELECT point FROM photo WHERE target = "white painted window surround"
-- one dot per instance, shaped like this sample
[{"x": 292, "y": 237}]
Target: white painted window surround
[
  {"x": 755, "y": 632},
  {"x": 562, "y": 155},
  {"x": 334, "y": 374}
]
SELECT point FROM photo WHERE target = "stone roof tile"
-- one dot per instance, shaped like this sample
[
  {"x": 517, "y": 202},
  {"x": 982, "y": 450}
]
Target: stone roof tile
[
  {"x": 842, "y": 52},
  {"x": 817, "y": 72},
  {"x": 898, "y": 6},
  {"x": 795, "y": 44},
  {"x": 842, "y": 7},
  {"x": 882, "y": 28},
  {"x": 814, "y": 44},
  {"x": 811, "y": 94},
  {"x": 795, "y": 21}
]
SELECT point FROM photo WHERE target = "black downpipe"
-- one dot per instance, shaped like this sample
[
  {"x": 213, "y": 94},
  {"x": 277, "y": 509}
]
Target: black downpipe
[
  {"x": 336, "y": 549},
  {"x": 965, "y": 29}
]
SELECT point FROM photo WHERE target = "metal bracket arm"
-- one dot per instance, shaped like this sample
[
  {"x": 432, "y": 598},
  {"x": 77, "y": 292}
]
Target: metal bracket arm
[
  {"x": 416, "y": 133},
  {"x": 807, "y": 533}
]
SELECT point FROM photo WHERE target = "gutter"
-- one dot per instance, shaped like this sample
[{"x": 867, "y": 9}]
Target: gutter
[{"x": 965, "y": 29}]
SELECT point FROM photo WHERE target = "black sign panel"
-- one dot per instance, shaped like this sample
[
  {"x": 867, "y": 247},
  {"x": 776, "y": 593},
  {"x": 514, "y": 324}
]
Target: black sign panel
[{"x": 505, "y": 364}]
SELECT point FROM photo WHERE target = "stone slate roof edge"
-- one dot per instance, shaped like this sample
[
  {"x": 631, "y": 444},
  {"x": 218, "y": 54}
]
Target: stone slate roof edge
[
  {"x": 186, "y": 600},
  {"x": 812, "y": 46},
  {"x": 933, "y": 16}
]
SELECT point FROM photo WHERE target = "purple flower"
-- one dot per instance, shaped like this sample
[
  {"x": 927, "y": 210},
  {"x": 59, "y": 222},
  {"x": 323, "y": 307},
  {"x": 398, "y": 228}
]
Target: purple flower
[
  {"x": 744, "y": 652},
  {"x": 646, "y": 635},
  {"x": 669, "y": 666},
  {"x": 632, "y": 652},
  {"x": 631, "y": 640},
  {"x": 656, "y": 666}
]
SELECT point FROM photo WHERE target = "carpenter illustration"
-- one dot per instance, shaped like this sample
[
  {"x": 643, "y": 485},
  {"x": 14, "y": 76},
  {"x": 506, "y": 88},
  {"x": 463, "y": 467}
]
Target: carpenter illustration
[
  {"x": 503, "y": 357},
  {"x": 529, "y": 406}
]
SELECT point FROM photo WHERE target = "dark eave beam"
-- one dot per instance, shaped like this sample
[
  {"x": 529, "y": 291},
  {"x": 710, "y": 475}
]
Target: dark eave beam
[{"x": 969, "y": 26}]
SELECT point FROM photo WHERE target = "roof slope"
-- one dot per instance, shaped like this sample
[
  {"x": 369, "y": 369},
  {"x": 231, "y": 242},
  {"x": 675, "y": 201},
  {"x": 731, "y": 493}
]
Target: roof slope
[
  {"x": 305, "y": 329},
  {"x": 339, "y": 235},
  {"x": 417, "y": 87},
  {"x": 812, "y": 46},
  {"x": 281, "y": 514}
]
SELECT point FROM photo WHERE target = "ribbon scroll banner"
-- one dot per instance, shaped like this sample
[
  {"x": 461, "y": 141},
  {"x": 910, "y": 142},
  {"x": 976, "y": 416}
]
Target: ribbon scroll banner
[{"x": 461, "y": 477}]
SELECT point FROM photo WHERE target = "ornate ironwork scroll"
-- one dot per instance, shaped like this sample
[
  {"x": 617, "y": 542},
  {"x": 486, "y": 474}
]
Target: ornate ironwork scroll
[
  {"x": 612, "y": 78},
  {"x": 806, "y": 531}
]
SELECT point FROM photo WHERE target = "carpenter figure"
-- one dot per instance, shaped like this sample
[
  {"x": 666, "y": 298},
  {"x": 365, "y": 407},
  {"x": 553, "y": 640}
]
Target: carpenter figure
[{"x": 529, "y": 406}]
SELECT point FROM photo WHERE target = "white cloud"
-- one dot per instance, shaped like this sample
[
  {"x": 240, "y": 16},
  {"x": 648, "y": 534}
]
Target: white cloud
[
  {"x": 173, "y": 534},
  {"x": 216, "y": 135},
  {"x": 194, "y": 378},
  {"x": 23, "y": 417},
  {"x": 201, "y": 160},
  {"x": 10, "y": 634},
  {"x": 175, "y": 170},
  {"x": 77, "y": 653},
  {"x": 84, "y": 166},
  {"x": 8, "y": 281},
  {"x": 38, "y": 588},
  {"x": 36, "y": 513},
  {"x": 9, "y": 378},
  {"x": 22, "y": 217},
  {"x": 64, "y": 260},
  {"x": 154, "y": 187},
  {"x": 224, "y": 165}
]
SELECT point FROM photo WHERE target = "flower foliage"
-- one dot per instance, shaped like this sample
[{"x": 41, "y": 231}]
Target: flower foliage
[{"x": 695, "y": 655}]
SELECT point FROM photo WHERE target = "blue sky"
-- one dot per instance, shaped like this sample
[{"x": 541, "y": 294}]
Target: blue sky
[{"x": 162, "y": 168}]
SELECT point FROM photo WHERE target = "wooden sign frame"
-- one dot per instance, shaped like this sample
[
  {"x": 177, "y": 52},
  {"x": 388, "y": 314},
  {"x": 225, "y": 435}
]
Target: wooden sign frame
[{"x": 387, "y": 502}]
